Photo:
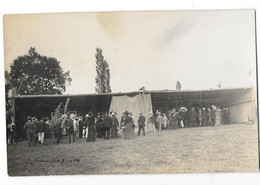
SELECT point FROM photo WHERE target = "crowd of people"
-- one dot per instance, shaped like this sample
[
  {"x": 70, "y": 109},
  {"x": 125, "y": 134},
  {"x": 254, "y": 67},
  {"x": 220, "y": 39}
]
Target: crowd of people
[
  {"x": 107, "y": 126},
  {"x": 183, "y": 118}
]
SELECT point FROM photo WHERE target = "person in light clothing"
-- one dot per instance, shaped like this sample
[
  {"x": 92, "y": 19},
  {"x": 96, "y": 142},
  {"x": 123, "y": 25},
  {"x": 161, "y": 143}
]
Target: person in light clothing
[
  {"x": 152, "y": 122},
  {"x": 165, "y": 121},
  {"x": 159, "y": 120}
]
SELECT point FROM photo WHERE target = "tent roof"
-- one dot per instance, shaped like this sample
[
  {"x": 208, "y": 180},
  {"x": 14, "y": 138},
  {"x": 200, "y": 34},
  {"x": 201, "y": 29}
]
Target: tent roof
[{"x": 166, "y": 91}]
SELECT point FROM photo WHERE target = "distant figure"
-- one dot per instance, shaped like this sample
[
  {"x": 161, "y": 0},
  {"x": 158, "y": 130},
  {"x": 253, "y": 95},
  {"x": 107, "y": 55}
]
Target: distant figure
[
  {"x": 152, "y": 122},
  {"x": 57, "y": 130},
  {"x": 141, "y": 123},
  {"x": 107, "y": 126},
  {"x": 41, "y": 127},
  {"x": 159, "y": 120},
  {"x": 176, "y": 118},
  {"x": 13, "y": 130},
  {"x": 91, "y": 128},
  {"x": 178, "y": 86},
  {"x": 165, "y": 121},
  {"x": 170, "y": 118},
  {"x": 200, "y": 117},
  {"x": 115, "y": 126},
  {"x": 209, "y": 117},
  {"x": 219, "y": 83},
  {"x": 193, "y": 117},
  {"x": 70, "y": 129},
  {"x": 99, "y": 125},
  {"x": 30, "y": 127},
  {"x": 80, "y": 124},
  {"x": 204, "y": 117},
  {"x": 217, "y": 117},
  {"x": 213, "y": 117},
  {"x": 128, "y": 131},
  {"x": 226, "y": 116}
]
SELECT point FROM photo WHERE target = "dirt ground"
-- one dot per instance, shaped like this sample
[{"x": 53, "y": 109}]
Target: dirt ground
[{"x": 226, "y": 148}]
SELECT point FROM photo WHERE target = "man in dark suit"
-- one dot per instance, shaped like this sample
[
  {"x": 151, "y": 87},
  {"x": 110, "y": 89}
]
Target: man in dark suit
[
  {"x": 107, "y": 124},
  {"x": 193, "y": 117},
  {"x": 30, "y": 127},
  {"x": 141, "y": 123}
]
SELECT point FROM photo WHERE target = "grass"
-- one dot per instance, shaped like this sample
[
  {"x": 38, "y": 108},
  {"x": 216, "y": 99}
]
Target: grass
[{"x": 226, "y": 148}]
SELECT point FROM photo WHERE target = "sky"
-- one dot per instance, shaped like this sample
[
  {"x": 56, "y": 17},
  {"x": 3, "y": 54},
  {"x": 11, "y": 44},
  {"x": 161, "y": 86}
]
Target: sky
[{"x": 152, "y": 49}]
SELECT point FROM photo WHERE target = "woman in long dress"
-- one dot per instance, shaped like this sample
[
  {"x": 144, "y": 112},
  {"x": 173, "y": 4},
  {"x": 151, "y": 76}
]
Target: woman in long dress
[
  {"x": 115, "y": 125},
  {"x": 128, "y": 130},
  {"x": 91, "y": 128}
]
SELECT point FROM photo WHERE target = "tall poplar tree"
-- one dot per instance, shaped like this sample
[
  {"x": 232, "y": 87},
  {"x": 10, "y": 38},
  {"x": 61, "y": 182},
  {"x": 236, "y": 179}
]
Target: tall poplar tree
[{"x": 103, "y": 73}]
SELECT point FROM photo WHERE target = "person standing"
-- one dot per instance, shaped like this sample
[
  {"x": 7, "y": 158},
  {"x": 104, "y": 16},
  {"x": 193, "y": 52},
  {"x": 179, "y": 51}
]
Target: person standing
[
  {"x": 70, "y": 129},
  {"x": 213, "y": 115},
  {"x": 129, "y": 124},
  {"x": 41, "y": 130},
  {"x": 56, "y": 129},
  {"x": 115, "y": 126},
  {"x": 176, "y": 119},
  {"x": 159, "y": 120},
  {"x": 170, "y": 118},
  {"x": 30, "y": 127},
  {"x": 165, "y": 121},
  {"x": 36, "y": 122},
  {"x": 217, "y": 117},
  {"x": 75, "y": 127},
  {"x": 91, "y": 128},
  {"x": 13, "y": 130},
  {"x": 152, "y": 122},
  {"x": 193, "y": 117},
  {"x": 107, "y": 126},
  {"x": 204, "y": 117},
  {"x": 80, "y": 124},
  {"x": 200, "y": 117},
  {"x": 227, "y": 116},
  {"x": 99, "y": 125},
  {"x": 141, "y": 123}
]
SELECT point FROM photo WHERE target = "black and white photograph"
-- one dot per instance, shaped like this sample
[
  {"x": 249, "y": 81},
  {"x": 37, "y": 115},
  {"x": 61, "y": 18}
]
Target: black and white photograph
[{"x": 131, "y": 92}]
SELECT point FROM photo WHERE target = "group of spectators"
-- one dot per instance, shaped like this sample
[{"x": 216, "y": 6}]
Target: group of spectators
[
  {"x": 107, "y": 126},
  {"x": 183, "y": 118}
]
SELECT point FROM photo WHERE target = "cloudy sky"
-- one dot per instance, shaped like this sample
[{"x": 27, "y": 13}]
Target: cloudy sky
[{"x": 151, "y": 49}]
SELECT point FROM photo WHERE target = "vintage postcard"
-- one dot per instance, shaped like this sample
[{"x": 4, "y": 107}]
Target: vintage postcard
[{"x": 149, "y": 92}]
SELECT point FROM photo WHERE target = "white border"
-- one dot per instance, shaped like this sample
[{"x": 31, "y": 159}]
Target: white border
[{"x": 51, "y": 6}]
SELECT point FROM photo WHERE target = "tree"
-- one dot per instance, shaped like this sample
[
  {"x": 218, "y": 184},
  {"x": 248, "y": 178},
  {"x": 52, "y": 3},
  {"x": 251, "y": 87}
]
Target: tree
[
  {"x": 103, "y": 74},
  {"x": 35, "y": 74}
]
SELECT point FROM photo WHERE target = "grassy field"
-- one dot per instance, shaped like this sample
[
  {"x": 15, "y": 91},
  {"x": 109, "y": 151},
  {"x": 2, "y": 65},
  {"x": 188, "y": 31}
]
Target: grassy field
[{"x": 226, "y": 148}]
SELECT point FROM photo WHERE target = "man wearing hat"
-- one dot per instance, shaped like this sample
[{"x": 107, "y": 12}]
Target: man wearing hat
[
  {"x": 57, "y": 130},
  {"x": 41, "y": 130},
  {"x": 141, "y": 123},
  {"x": 193, "y": 117},
  {"x": 107, "y": 124},
  {"x": 29, "y": 127}
]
